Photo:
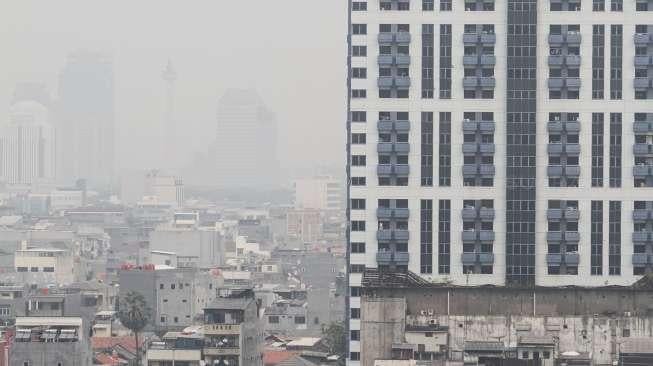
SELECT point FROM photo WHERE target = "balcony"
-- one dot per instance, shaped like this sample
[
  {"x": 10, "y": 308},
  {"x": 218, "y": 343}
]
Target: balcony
[
  {"x": 469, "y": 213},
  {"x": 485, "y": 60},
  {"x": 221, "y": 329},
  {"x": 399, "y": 82},
  {"x": 643, "y": 60},
  {"x": 393, "y": 147},
  {"x": 642, "y": 236},
  {"x": 392, "y": 213},
  {"x": 643, "y": 83},
  {"x": 572, "y": 258},
  {"x": 392, "y": 235},
  {"x": 389, "y": 126},
  {"x": 394, "y": 37},
  {"x": 569, "y": 38},
  {"x": 561, "y": 83},
  {"x": 642, "y": 214},
  {"x": 572, "y": 236},
  {"x": 472, "y": 82},
  {"x": 643, "y": 149},
  {"x": 553, "y": 236},
  {"x": 473, "y": 126},
  {"x": 561, "y": 60},
  {"x": 642, "y": 127},
  {"x": 643, "y": 170},
  {"x": 572, "y": 170},
  {"x": 221, "y": 351},
  {"x": 393, "y": 169},
  {"x": 402, "y": 60},
  {"x": 554, "y": 258},
  {"x": 572, "y": 149},
  {"x": 468, "y": 258},
  {"x": 390, "y": 257},
  {"x": 641, "y": 259},
  {"x": 572, "y": 214},
  {"x": 486, "y": 235},
  {"x": 469, "y": 236},
  {"x": 486, "y": 258},
  {"x": 483, "y": 38},
  {"x": 643, "y": 38},
  {"x": 486, "y": 170},
  {"x": 385, "y": 60},
  {"x": 554, "y": 214},
  {"x": 486, "y": 213},
  {"x": 385, "y": 82}
]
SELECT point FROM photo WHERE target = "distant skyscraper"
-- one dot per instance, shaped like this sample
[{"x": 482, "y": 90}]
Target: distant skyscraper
[
  {"x": 27, "y": 145},
  {"x": 246, "y": 142},
  {"x": 36, "y": 92},
  {"x": 168, "y": 144},
  {"x": 86, "y": 118}
]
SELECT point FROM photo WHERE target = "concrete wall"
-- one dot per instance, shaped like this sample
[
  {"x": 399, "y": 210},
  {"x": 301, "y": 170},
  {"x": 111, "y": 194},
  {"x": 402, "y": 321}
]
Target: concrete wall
[
  {"x": 507, "y": 301},
  {"x": 382, "y": 323},
  {"x": 206, "y": 244}
]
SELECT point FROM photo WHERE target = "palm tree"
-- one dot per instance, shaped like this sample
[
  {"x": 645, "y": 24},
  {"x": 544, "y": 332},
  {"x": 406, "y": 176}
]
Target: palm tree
[{"x": 134, "y": 314}]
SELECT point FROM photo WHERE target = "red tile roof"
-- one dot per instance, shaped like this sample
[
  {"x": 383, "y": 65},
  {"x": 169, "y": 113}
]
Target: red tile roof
[
  {"x": 272, "y": 358},
  {"x": 106, "y": 359},
  {"x": 108, "y": 343}
]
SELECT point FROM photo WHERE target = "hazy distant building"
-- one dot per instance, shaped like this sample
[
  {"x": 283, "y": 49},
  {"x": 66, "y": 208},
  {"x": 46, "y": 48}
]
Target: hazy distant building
[
  {"x": 304, "y": 225},
  {"x": 27, "y": 145},
  {"x": 157, "y": 186},
  {"x": 246, "y": 144},
  {"x": 86, "y": 118},
  {"x": 321, "y": 193},
  {"x": 169, "y": 151},
  {"x": 29, "y": 91}
]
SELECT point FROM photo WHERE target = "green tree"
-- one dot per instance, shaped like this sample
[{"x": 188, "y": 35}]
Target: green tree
[
  {"x": 134, "y": 314},
  {"x": 335, "y": 338}
]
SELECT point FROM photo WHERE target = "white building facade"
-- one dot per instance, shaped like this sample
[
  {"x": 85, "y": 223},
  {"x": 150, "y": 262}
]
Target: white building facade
[
  {"x": 27, "y": 145},
  {"x": 504, "y": 142}
]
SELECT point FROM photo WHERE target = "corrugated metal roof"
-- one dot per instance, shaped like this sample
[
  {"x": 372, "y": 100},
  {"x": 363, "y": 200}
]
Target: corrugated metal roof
[
  {"x": 484, "y": 346},
  {"x": 230, "y": 303},
  {"x": 535, "y": 340}
]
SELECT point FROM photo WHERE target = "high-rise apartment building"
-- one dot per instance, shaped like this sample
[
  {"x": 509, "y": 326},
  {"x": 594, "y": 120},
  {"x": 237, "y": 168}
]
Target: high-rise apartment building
[
  {"x": 246, "y": 143},
  {"x": 503, "y": 142},
  {"x": 27, "y": 145},
  {"x": 86, "y": 118}
]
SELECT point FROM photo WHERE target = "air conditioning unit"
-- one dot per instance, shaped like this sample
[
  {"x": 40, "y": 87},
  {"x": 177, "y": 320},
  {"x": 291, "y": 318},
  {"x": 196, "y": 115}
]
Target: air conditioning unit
[{"x": 422, "y": 312}]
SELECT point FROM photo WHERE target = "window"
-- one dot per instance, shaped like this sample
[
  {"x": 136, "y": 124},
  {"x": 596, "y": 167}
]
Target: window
[
  {"x": 5, "y": 310},
  {"x": 445, "y": 5},
  {"x": 358, "y": 138},
  {"x": 21, "y": 269},
  {"x": 172, "y": 286},
  {"x": 598, "y": 5},
  {"x": 359, "y": 73},
  {"x": 355, "y": 356},
  {"x": 273, "y": 319},
  {"x": 358, "y": 160},
  {"x": 161, "y": 286},
  {"x": 300, "y": 320},
  {"x": 358, "y": 225},
  {"x": 616, "y": 5},
  {"x": 355, "y": 313},
  {"x": 163, "y": 319},
  {"x": 358, "y": 181},
  {"x": 176, "y": 319},
  {"x": 48, "y": 269},
  {"x": 359, "y": 51},
  {"x": 358, "y": 93},
  {"x": 34, "y": 269},
  {"x": 427, "y": 5},
  {"x": 355, "y": 335},
  {"x": 358, "y": 247},
  {"x": 359, "y": 29},
  {"x": 354, "y": 291},
  {"x": 357, "y": 268},
  {"x": 358, "y": 116},
  {"x": 357, "y": 204},
  {"x": 358, "y": 6}
]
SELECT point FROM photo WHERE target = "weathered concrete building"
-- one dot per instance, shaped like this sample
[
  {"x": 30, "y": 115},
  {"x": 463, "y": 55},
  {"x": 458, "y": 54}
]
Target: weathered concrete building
[
  {"x": 537, "y": 323},
  {"x": 177, "y": 296},
  {"x": 232, "y": 329}
]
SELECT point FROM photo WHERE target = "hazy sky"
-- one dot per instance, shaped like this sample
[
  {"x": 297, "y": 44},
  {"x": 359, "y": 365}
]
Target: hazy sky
[{"x": 291, "y": 51}]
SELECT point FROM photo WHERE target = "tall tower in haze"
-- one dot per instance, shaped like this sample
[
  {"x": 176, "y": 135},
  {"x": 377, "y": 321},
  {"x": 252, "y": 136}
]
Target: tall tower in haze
[
  {"x": 86, "y": 119},
  {"x": 168, "y": 152},
  {"x": 246, "y": 144}
]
